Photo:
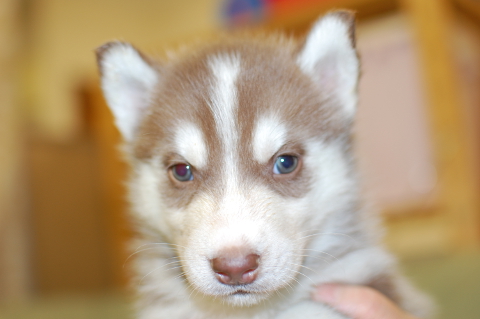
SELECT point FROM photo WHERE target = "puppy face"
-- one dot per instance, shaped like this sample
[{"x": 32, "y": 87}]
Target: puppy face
[{"x": 239, "y": 151}]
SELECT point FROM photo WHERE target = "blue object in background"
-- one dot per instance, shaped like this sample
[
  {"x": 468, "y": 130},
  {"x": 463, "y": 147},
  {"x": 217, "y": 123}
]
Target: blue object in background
[{"x": 237, "y": 13}]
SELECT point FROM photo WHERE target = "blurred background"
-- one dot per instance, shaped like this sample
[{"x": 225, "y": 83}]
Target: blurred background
[{"x": 62, "y": 223}]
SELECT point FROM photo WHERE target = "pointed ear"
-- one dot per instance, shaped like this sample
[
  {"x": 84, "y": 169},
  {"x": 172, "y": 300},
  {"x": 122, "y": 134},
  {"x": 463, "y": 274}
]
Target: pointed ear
[
  {"x": 329, "y": 57},
  {"x": 128, "y": 81}
]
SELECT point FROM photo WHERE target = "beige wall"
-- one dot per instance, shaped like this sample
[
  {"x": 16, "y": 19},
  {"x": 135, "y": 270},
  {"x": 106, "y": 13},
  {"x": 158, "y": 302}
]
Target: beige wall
[
  {"x": 65, "y": 33},
  {"x": 14, "y": 279}
]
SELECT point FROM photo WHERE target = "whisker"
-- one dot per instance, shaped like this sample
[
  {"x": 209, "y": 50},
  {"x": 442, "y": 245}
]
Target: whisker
[
  {"x": 296, "y": 280},
  {"x": 158, "y": 268},
  {"x": 321, "y": 233},
  {"x": 321, "y": 252},
  {"x": 182, "y": 274},
  {"x": 292, "y": 270},
  {"x": 302, "y": 266},
  {"x": 279, "y": 294},
  {"x": 312, "y": 256},
  {"x": 139, "y": 251},
  {"x": 169, "y": 244}
]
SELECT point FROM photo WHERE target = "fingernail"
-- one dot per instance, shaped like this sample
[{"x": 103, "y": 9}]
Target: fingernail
[{"x": 325, "y": 293}]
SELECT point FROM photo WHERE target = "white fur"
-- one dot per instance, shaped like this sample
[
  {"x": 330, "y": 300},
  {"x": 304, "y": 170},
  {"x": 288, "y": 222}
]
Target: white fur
[
  {"x": 280, "y": 229},
  {"x": 144, "y": 196},
  {"x": 268, "y": 136},
  {"x": 190, "y": 144},
  {"x": 224, "y": 102},
  {"x": 243, "y": 219},
  {"x": 128, "y": 82},
  {"x": 224, "y": 106},
  {"x": 323, "y": 235},
  {"x": 329, "y": 58}
]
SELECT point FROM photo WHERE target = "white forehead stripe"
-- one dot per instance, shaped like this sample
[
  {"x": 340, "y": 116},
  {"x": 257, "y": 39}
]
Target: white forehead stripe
[
  {"x": 225, "y": 69},
  {"x": 190, "y": 144},
  {"x": 269, "y": 136}
]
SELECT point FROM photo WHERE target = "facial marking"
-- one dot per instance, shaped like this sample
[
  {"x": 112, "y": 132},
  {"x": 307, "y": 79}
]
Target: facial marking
[
  {"x": 224, "y": 103},
  {"x": 190, "y": 144},
  {"x": 268, "y": 136}
]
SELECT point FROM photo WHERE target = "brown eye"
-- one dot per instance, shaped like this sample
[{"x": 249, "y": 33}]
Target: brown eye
[{"x": 182, "y": 172}]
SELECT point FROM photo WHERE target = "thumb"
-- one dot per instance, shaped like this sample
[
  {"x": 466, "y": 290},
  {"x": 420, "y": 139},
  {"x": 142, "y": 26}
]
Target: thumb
[{"x": 358, "y": 302}]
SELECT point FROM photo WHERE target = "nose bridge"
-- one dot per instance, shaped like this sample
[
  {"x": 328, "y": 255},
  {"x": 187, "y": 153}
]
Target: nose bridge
[
  {"x": 234, "y": 201},
  {"x": 234, "y": 224},
  {"x": 234, "y": 232}
]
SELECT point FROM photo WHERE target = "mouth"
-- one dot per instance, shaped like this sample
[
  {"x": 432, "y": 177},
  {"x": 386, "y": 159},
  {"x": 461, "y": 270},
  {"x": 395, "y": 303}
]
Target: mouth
[
  {"x": 244, "y": 298},
  {"x": 240, "y": 293}
]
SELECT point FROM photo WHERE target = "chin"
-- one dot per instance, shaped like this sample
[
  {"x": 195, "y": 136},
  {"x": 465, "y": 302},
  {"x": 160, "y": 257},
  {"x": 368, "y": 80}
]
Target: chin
[{"x": 243, "y": 298}]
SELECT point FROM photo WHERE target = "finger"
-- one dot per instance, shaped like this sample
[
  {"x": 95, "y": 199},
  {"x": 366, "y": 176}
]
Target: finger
[{"x": 358, "y": 302}]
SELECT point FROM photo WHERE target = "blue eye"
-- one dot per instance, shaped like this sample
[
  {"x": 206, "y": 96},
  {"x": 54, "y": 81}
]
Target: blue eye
[
  {"x": 182, "y": 172},
  {"x": 285, "y": 164}
]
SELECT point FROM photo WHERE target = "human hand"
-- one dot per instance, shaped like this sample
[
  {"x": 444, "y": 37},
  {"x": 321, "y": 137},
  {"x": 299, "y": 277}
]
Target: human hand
[{"x": 359, "y": 302}]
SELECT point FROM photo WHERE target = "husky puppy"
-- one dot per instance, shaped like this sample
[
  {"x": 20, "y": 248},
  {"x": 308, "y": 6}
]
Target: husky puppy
[{"x": 243, "y": 185}]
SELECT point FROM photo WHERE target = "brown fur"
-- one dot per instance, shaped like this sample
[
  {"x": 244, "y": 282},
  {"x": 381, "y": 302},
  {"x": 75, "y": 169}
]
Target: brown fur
[{"x": 269, "y": 82}]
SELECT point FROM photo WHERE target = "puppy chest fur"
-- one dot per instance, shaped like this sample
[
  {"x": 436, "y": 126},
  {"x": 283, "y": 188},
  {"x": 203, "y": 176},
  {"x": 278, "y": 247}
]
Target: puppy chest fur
[{"x": 243, "y": 184}]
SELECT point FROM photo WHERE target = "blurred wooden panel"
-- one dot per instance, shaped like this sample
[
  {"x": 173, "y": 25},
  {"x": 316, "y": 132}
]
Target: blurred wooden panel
[
  {"x": 78, "y": 204},
  {"x": 432, "y": 21},
  {"x": 69, "y": 239},
  {"x": 113, "y": 173}
]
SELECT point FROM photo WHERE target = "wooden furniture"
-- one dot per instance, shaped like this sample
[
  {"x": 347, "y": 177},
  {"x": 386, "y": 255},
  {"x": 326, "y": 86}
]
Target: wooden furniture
[{"x": 113, "y": 177}]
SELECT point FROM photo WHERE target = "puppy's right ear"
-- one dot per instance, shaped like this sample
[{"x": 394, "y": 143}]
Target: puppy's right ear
[{"x": 128, "y": 81}]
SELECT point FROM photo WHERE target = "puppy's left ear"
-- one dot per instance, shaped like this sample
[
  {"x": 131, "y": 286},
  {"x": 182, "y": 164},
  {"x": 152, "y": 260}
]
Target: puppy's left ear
[{"x": 329, "y": 57}]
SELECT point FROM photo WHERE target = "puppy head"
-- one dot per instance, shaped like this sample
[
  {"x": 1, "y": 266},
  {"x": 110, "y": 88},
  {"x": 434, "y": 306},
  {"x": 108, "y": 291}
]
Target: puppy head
[{"x": 239, "y": 150}]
